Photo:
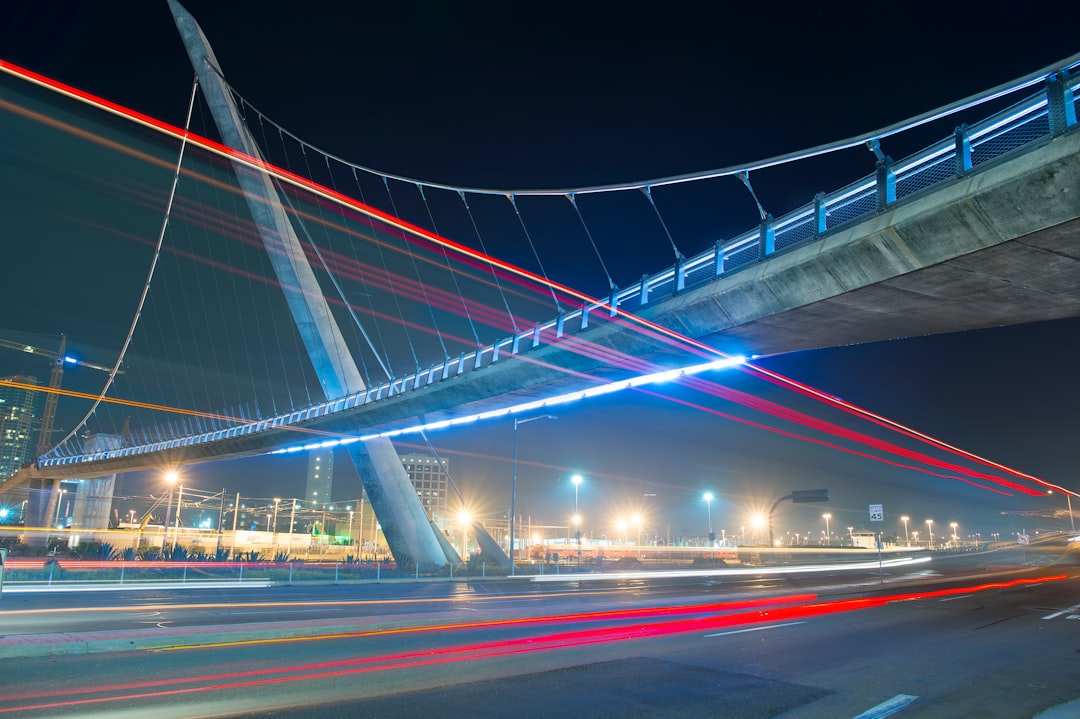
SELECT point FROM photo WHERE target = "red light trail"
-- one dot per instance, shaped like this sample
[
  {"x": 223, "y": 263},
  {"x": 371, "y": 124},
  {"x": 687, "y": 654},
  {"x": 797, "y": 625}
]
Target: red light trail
[
  {"x": 764, "y": 612},
  {"x": 475, "y": 258}
]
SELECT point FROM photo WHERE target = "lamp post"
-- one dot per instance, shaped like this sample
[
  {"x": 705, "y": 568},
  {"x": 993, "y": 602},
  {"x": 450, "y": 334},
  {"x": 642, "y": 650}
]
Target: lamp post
[
  {"x": 636, "y": 519},
  {"x": 576, "y": 520},
  {"x": 708, "y": 497},
  {"x": 277, "y": 501},
  {"x": 930, "y": 527},
  {"x": 577, "y": 480},
  {"x": 828, "y": 539},
  {"x": 350, "y": 525},
  {"x": 955, "y": 534},
  {"x": 513, "y": 485},
  {"x": 171, "y": 478},
  {"x": 905, "y": 519}
]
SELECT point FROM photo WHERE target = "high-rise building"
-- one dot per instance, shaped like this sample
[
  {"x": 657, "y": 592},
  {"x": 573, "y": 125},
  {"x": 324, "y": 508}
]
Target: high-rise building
[
  {"x": 431, "y": 484},
  {"x": 320, "y": 476},
  {"x": 17, "y": 421}
]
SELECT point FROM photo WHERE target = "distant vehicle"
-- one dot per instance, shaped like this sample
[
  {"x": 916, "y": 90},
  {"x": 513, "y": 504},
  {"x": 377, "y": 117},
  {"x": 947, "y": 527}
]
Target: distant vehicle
[{"x": 1075, "y": 539}]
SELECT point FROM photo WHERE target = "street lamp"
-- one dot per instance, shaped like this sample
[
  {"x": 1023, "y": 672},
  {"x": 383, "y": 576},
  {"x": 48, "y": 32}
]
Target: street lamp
[
  {"x": 905, "y": 519},
  {"x": 170, "y": 477},
  {"x": 955, "y": 537},
  {"x": 708, "y": 513},
  {"x": 464, "y": 517},
  {"x": 827, "y": 517},
  {"x": 513, "y": 484},
  {"x": 930, "y": 526},
  {"x": 636, "y": 519}
]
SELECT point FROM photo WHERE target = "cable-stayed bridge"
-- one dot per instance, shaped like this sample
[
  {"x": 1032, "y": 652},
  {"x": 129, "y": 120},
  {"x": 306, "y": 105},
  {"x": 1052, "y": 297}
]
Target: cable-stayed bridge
[{"x": 975, "y": 230}]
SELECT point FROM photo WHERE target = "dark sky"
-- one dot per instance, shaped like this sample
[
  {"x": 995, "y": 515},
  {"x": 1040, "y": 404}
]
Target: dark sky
[{"x": 566, "y": 94}]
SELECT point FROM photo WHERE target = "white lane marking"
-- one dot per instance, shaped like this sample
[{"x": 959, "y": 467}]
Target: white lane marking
[
  {"x": 888, "y": 708},
  {"x": 754, "y": 629},
  {"x": 1055, "y": 615},
  {"x": 962, "y": 596}
]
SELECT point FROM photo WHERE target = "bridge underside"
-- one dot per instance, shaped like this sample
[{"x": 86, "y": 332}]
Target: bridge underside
[{"x": 999, "y": 246}]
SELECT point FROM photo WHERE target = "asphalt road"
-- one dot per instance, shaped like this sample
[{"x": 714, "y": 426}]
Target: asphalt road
[{"x": 758, "y": 646}]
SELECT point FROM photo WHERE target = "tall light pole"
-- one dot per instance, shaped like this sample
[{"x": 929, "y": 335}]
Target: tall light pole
[
  {"x": 636, "y": 519},
  {"x": 277, "y": 501},
  {"x": 708, "y": 497},
  {"x": 905, "y": 519},
  {"x": 955, "y": 534},
  {"x": 513, "y": 486},
  {"x": 577, "y": 533},
  {"x": 170, "y": 477},
  {"x": 828, "y": 538},
  {"x": 930, "y": 526},
  {"x": 577, "y": 480}
]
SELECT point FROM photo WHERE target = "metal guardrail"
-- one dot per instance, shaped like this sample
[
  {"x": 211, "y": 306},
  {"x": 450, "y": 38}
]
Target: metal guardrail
[{"x": 1050, "y": 112}]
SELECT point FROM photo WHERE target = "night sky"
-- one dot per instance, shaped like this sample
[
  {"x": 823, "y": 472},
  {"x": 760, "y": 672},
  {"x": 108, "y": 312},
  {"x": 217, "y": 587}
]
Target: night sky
[{"x": 571, "y": 94}]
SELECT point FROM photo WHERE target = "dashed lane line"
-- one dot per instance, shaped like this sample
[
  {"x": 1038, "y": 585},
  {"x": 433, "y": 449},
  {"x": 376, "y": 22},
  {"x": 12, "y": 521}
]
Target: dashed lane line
[{"x": 888, "y": 708}]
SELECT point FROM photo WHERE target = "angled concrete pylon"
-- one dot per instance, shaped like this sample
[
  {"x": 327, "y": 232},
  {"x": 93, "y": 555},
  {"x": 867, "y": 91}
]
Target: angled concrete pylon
[{"x": 404, "y": 522}]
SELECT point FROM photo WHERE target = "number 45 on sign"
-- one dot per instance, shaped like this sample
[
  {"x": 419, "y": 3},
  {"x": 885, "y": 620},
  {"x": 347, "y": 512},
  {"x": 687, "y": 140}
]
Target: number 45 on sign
[{"x": 876, "y": 513}]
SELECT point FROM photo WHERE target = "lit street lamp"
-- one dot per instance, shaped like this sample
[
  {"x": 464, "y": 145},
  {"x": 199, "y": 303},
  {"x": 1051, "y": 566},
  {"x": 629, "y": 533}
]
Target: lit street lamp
[
  {"x": 930, "y": 526},
  {"x": 708, "y": 513},
  {"x": 828, "y": 538},
  {"x": 171, "y": 478},
  {"x": 636, "y": 519},
  {"x": 464, "y": 516},
  {"x": 905, "y": 519},
  {"x": 513, "y": 484},
  {"x": 1068, "y": 500},
  {"x": 955, "y": 538},
  {"x": 577, "y": 480}
]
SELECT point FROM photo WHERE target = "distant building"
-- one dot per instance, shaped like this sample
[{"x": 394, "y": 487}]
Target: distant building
[
  {"x": 320, "y": 476},
  {"x": 431, "y": 484},
  {"x": 17, "y": 422}
]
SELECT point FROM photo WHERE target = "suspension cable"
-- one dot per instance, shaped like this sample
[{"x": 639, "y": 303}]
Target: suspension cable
[
  {"x": 539, "y": 263},
  {"x": 648, "y": 193},
  {"x": 150, "y": 273},
  {"x": 453, "y": 274},
  {"x": 573, "y": 201},
  {"x": 494, "y": 274}
]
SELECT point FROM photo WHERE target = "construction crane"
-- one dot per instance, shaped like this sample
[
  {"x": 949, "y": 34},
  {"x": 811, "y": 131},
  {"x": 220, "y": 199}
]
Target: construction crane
[{"x": 59, "y": 359}]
